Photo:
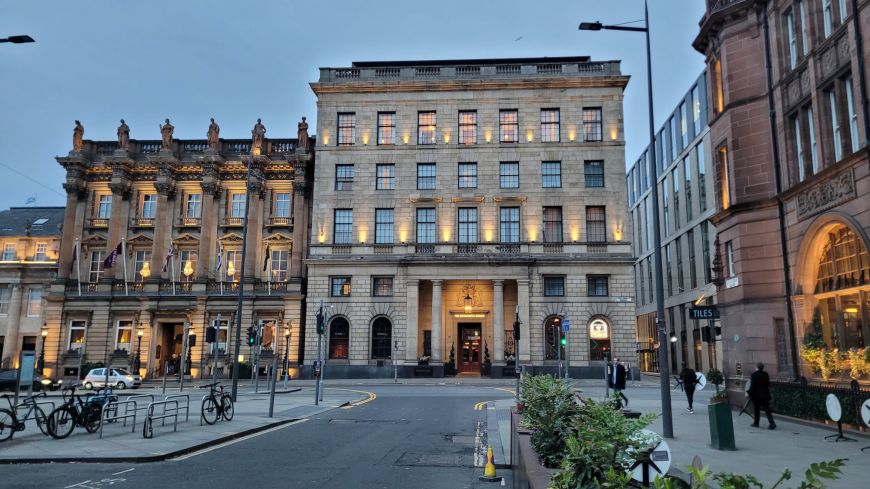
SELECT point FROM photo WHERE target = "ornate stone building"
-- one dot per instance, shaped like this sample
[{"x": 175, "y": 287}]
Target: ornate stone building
[
  {"x": 170, "y": 214},
  {"x": 454, "y": 196},
  {"x": 29, "y": 245},
  {"x": 789, "y": 132}
]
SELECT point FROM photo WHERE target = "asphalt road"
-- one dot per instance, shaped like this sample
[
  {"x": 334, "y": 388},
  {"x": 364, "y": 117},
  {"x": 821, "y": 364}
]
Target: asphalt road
[{"x": 408, "y": 437}]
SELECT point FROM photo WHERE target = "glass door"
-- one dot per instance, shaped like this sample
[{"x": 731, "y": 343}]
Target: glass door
[{"x": 469, "y": 348}]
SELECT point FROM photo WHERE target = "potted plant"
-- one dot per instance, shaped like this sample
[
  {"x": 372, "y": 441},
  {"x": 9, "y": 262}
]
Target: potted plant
[
  {"x": 486, "y": 366},
  {"x": 719, "y": 414},
  {"x": 450, "y": 368}
]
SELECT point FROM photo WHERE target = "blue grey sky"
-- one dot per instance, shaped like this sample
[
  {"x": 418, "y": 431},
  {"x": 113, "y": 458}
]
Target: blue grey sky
[{"x": 101, "y": 60}]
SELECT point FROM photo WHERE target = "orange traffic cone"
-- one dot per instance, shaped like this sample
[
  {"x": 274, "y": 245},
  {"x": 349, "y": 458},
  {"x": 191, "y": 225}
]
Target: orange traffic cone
[{"x": 489, "y": 470}]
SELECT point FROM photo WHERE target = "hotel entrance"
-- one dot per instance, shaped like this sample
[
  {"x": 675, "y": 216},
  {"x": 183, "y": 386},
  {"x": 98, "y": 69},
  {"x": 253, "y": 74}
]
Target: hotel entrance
[
  {"x": 470, "y": 355},
  {"x": 167, "y": 353}
]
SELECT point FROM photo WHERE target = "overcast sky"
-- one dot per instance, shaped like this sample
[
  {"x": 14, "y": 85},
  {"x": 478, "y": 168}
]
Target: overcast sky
[{"x": 100, "y": 60}]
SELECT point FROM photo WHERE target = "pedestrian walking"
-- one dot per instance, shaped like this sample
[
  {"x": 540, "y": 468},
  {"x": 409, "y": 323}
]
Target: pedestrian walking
[
  {"x": 690, "y": 378},
  {"x": 616, "y": 379},
  {"x": 759, "y": 393}
]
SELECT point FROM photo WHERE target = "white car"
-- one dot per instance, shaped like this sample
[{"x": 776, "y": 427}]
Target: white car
[{"x": 118, "y": 378}]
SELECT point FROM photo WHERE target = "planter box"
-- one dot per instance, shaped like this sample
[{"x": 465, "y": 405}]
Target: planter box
[
  {"x": 528, "y": 472},
  {"x": 721, "y": 426}
]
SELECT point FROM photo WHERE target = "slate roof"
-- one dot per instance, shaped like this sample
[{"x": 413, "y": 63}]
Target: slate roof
[{"x": 16, "y": 220}]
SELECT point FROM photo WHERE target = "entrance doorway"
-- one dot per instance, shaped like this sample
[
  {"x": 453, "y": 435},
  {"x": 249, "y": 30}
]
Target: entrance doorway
[
  {"x": 470, "y": 355},
  {"x": 167, "y": 353}
]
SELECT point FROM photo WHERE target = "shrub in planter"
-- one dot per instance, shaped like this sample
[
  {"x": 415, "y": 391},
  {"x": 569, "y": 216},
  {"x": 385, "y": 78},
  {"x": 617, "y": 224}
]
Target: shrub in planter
[
  {"x": 548, "y": 408},
  {"x": 715, "y": 377},
  {"x": 814, "y": 478},
  {"x": 450, "y": 368}
]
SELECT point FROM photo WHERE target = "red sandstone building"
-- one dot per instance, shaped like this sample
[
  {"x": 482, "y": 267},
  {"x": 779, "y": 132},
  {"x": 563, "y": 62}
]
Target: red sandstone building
[{"x": 789, "y": 130}]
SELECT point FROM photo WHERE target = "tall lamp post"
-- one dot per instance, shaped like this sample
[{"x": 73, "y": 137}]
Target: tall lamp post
[
  {"x": 664, "y": 373},
  {"x": 43, "y": 333},
  {"x": 140, "y": 332},
  {"x": 287, "y": 353}
]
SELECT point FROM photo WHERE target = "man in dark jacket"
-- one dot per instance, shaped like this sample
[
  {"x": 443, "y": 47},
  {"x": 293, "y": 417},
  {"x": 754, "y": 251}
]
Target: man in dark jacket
[
  {"x": 616, "y": 378},
  {"x": 689, "y": 378},
  {"x": 759, "y": 392}
]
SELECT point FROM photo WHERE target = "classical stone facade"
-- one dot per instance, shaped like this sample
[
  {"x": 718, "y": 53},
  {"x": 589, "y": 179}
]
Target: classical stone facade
[
  {"x": 686, "y": 202},
  {"x": 170, "y": 215},
  {"x": 29, "y": 245},
  {"x": 792, "y": 176},
  {"x": 454, "y": 197}
]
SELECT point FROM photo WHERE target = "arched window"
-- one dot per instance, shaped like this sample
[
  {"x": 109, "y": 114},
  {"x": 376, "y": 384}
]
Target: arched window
[
  {"x": 339, "y": 336},
  {"x": 553, "y": 349},
  {"x": 382, "y": 335},
  {"x": 843, "y": 268},
  {"x": 599, "y": 339}
]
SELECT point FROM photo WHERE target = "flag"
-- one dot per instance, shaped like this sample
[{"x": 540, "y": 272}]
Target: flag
[
  {"x": 72, "y": 265},
  {"x": 220, "y": 258},
  {"x": 30, "y": 200},
  {"x": 168, "y": 257},
  {"x": 110, "y": 260},
  {"x": 266, "y": 259}
]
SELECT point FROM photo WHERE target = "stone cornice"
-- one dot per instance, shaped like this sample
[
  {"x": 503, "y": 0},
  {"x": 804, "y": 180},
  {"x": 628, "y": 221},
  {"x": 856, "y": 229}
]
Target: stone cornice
[{"x": 468, "y": 85}]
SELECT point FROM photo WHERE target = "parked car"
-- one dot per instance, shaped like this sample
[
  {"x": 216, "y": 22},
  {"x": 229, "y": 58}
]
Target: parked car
[
  {"x": 8, "y": 379},
  {"x": 118, "y": 378}
]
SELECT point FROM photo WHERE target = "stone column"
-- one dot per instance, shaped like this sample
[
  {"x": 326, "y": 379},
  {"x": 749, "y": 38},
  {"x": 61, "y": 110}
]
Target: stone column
[
  {"x": 413, "y": 296},
  {"x": 162, "y": 234},
  {"x": 119, "y": 222},
  {"x": 256, "y": 192},
  {"x": 523, "y": 299},
  {"x": 207, "y": 254},
  {"x": 300, "y": 214},
  {"x": 76, "y": 191},
  {"x": 437, "y": 327},
  {"x": 10, "y": 343},
  {"x": 498, "y": 320}
]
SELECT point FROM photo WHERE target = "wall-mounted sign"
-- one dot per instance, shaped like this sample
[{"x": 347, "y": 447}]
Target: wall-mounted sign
[
  {"x": 468, "y": 316},
  {"x": 599, "y": 330},
  {"x": 732, "y": 282},
  {"x": 704, "y": 312}
]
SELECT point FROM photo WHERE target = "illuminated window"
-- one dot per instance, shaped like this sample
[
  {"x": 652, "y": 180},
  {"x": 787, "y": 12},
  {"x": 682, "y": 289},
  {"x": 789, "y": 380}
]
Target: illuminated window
[
  {"x": 551, "y": 174},
  {"x": 592, "y": 124},
  {"x": 386, "y": 128},
  {"x": 76, "y": 336},
  {"x": 426, "y": 225},
  {"x": 552, "y": 225},
  {"x": 339, "y": 286},
  {"x": 718, "y": 88},
  {"x": 9, "y": 252},
  {"x": 596, "y": 227},
  {"x": 550, "y": 125},
  {"x": 425, "y": 176},
  {"x": 343, "y": 226},
  {"x": 140, "y": 258},
  {"x": 344, "y": 177},
  {"x": 508, "y": 126},
  {"x": 467, "y": 224},
  {"x": 593, "y": 173},
  {"x": 467, "y": 127},
  {"x": 185, "y": 257},
  {"x": 509, "y": 224},
  {"x": 384, "y": 226},
  {"x": 41, "y": 252},
  {"x": 339, "y": 338},
  {"x": 426, "y": 128},
  {"x": 509, "y": 174},
  {"x": 346, "y": 129},
  {"x": 234, "y": 258},
  {"x": 468, "y": 175},
  {"x": 724, "y": 177},
  {"x": 279, "y": 265},
  {"x": 386, "y": 177},
  {"x": 124, "y": 336}
]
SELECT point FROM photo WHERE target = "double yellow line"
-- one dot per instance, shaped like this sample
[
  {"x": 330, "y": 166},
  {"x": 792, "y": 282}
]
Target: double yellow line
[
  {"x": 371, "y": 397},
  {"x": 480, "y": 406}
]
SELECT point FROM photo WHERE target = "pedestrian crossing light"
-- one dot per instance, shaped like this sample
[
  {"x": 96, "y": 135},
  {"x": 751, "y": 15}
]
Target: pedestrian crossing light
[
  {"x": 321, "y": 327},
  {"x": 252, "y": 336},
  {"x": 564, "y": 340}
]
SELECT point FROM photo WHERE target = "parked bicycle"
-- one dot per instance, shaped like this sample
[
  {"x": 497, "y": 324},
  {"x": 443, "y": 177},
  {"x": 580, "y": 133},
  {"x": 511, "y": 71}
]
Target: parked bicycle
[
  {"x": 217, "y": 404},
  {"x": 74, "y": 412},
  {"x": 10, "y": 422},
  {"x": 105, "y": 396}
]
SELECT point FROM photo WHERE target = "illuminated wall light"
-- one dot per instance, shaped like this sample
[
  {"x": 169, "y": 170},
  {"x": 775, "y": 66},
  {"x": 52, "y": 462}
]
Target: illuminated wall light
[
  {"x": 365, "y": 139},
  {"x": 572, "y": 133},
  {"x": 617, "y": 234},
  {"x": 487, "y": 235},
  {"x": 363, "y": 235},
  {"x": 405, "y": 138},
  {"x": 446, "y": 235},
  {"x": 326, "y": 139},
  {"x": 575, "y": 234},
  {"x": 447, "y": 138},
  {"x": 533, "y": 234},
  {"x": 403, "y": 235},
  {"x": 321, "y": 237},
  {"x": 613, "y": 134},
  {"x": 487, "y": 136},
  {"x": 530, "y": 136}
]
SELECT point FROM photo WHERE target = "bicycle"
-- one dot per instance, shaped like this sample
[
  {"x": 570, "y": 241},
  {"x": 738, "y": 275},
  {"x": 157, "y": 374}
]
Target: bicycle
[
  {"x": 105, "y": 396},
  {"x": 216, "y": 404},
  {"x": 10, "y": 422},
  {"x": 74, "y": 412}
]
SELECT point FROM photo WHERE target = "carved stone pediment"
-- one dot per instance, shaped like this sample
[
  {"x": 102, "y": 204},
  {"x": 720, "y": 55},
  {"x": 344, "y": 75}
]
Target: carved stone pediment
[
  {"x": 140, "y": 240},
  {"x": 231, "y": 238},
  {"x": 278, "y": 238},
  {"x": 186, "y": 239},
  {"x": 826, "y": 195},
  {"x": 94, "y": 240}
]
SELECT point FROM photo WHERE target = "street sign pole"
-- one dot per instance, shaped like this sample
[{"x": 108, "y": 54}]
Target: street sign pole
[
  {"x": 566, "y": 326},
  {"x": 317, "y": 366}
]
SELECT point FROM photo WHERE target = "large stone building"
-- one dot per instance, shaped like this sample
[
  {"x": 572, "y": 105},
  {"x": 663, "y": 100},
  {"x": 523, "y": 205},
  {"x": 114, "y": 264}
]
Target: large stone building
[
  {"x": 789, "y": 131},
  {"x": 453, "y": 196},
  {"x": 686, "y": 202},
  {"x": 29, "y": 245},
  {"x": 170, "y": 214}
]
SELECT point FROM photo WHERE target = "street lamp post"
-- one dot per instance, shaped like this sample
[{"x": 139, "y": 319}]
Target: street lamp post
[
  {"x": 238, "y": 347},
  {"x": 140, "y": 332},
  {"x": 286, "y": 353},
  {"x": 17, "y": 39},
  {"x": 43, "y": 333},
  {"x": 664, "y": 374}
]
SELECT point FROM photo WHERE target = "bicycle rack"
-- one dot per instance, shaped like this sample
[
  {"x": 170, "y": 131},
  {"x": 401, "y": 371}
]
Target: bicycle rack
[
  {"x": 105, "y": 410},
  {"x": 186, "y": 398},
  {"x": 148, "y": 429},
  {"x": 142, "y": 401}
]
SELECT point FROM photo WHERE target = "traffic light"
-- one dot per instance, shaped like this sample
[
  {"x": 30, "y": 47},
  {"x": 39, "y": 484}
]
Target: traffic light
[
  {"x": 517, "y": 330},
  {"x": 321, "y": 327},
  {"x": 252, "y": 336},
  {"x": 210, "y": 334},
  {"x": 563, "y": 340}
]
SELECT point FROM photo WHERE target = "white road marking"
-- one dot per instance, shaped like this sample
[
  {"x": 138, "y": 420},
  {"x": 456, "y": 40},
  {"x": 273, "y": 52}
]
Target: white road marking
[
  {"x": 123, "y": 471},
  {"x": 237, "y": 440}
]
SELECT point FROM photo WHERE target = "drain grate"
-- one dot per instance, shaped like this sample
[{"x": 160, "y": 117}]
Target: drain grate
[{"x": 410, "y": 459}]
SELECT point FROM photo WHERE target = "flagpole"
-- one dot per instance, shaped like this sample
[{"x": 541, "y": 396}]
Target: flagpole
[
  {"x": 265, "y": 267},
  {"x": 124, "y": 259},
  {"x": 172, "y": 269},
  {"x": 220, "y": 266},
  {"x": 77, "y": 249}
]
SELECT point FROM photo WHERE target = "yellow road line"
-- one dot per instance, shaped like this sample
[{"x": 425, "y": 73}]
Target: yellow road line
[
  {"x": 371, "y": 397},
  {"x": 504, "y": 389},
  {"x": 480, "y": 406}
]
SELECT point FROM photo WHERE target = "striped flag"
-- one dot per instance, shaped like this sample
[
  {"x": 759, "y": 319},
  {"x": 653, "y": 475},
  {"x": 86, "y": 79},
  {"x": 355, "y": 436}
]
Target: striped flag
[
  {"x": 110, "y": 260},
  {"x": 266, "y": 259},
  {"x": 168, "y": 258},
  {"x": 220, "y": 259}
]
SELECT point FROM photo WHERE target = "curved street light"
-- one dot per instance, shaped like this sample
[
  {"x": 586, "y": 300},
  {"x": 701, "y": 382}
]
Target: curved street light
[{"x": 17, "y": 39}]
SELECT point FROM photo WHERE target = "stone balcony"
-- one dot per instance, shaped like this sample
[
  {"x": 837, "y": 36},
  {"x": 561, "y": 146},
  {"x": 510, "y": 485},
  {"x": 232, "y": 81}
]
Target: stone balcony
[{"x": 472, "y": 251}]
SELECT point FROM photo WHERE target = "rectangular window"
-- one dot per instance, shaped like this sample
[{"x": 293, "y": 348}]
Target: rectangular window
[
  {"x": 597, "y": 286},
  {"x": 828, "y": 13},
  {"x": 386, "y": 177},
  {"x": 842, "y": 9},
  {"x": 194, "y": 206},
  {"x": 593, "y": 173},
  {"x": 551, "y": 174},
  {"x": 681, "y": 281},
  {"x": 666, "y": 218},
  {"x": 149, "y": 206},
  {"x": 104, "y": 210},
  {"x": 41, "y": 252},
  {"x": 76, "y": 336},
  {"x": 552, "y": 224},
  {"x": 684, "y": 124},
  {"x": 669, "y": 269},
  {"x": 718, "y": 88},
  {"x": 339, "y": 286},
  {"x": 282, "y": 204},
  {"x": 649, "y": 222},
  {"x": 509, "y": 174},
  {"x": 237, "y": 205},
  {"x": 425, "y": 176},
  {"x": 675, "y": 149},
  {"x": 835, "y": 125},
  {"x": 34, "y": 303},
  {"x": 279, "y": 265},
  {"x": 233, "y": 266},
  {"x": 693, "y": 273},
  {"x": 384, "y": 226},
  {"x": 343, "y": 228},
  {"x": 675, "y": 182},
  {"x": 805, "y": 27},
  {"x": 344, "y": 177},
  {"x": 467, "y": 127},
  {"x": 705, "y": 250},
  {"x": 124, "y": 336},
  {"x": 799, "y": 162},
  {"x": 5, "y": 297},
  {"x": 791, "y": 39},
  {"x": 426, "y": 225},
  {"x": 508, "y": 126},
  {"x": 382, "y": 286},
  {"x": 853, "y": 115},
  {"x": 187, "y": 269},
  {"x": 468, "y": 175},
  {"x": 687, "y": 173},
  {"x": 550, "y": 125},
  {"x": 814, "y": 153},
  {"x": 554, "y": 286},
  {"x": 592, "y": 124},
  {"x": 140, "y": 258},
  {"x": 696, "y": 110},
  {"x": 468, "y": 224},
  {"x": 346, "y": 129},
  {"x": 9, "y": 252},
  {"x": 509, "y": 224},
  {"x": 95, "y": 271},
  {"x": 724, "y": 177},
  {"x": 426, "y": 128},
  {"x": 596, "y": 227},
  {"x": 729, "y": 259},
  {"x": 386, "y": 128}
]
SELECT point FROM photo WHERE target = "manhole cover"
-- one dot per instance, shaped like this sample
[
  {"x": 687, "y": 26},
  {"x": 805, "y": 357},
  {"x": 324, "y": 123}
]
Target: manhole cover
[{"x": 435, "y": 460}]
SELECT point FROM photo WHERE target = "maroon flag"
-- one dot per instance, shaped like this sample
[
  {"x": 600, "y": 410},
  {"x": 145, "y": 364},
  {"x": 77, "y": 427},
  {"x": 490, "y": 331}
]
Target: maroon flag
[{"x": 110, "y": 260}]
